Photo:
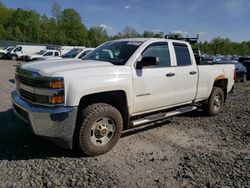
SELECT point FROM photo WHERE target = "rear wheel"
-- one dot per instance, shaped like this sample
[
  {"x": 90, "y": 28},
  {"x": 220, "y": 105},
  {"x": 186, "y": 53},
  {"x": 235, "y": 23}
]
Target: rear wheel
[
  {"x": 215, "y": 102},
  {"x": 99, "y": 128}
]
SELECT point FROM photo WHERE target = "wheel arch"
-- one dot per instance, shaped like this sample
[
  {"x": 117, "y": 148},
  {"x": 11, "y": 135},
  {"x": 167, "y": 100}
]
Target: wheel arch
[
  {"x": 222, "y": 83},
  {"x": 117, "y": 98}
]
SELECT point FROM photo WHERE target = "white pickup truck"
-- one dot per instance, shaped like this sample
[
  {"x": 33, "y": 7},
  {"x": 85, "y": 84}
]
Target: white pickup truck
[
  {"x": 42, "y": 54},
  {"x": 121, "y": 84}
]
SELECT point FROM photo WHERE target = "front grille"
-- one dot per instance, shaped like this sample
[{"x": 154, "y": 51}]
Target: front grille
[
  {"x": 26, "y": 80},
  {"x": 27, "y": 95}
]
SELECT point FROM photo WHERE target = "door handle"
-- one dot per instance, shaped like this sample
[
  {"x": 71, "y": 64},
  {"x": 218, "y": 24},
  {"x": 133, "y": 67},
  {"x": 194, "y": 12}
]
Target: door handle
[
  {"x": 192, "y": 72},
  {"x": 170, "y": 74}
]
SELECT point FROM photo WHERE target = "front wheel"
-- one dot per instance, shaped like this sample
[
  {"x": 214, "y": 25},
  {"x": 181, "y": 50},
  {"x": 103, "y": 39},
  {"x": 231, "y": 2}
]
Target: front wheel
[
  {"x": 215, "y": 102},
  {"x": 14, "y": 57},
  {"x": 99, "y": 128}
]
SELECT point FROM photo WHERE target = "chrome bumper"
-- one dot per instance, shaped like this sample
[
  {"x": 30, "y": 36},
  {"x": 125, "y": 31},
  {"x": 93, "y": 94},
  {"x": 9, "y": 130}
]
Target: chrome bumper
[{"x": 54, "y": 123}]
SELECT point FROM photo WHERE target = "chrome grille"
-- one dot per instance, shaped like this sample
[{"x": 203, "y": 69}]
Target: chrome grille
[
  {"x": 26, "y": 80},
  {"x": 27, "y": 95}
]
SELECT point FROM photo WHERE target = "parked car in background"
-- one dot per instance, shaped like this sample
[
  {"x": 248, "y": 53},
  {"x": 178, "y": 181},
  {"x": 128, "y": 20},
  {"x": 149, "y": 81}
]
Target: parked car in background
[
  {"x": 240, "y": 69},
  {"x": 246, "y": 62},
  {"x": 66, "y": 49},
  {"x": 207, "y": 60},
  {"x": 75, "y": 53},
  {"x": 5, "y": 50},
  {"x": 41, "y": 54},
  {"x": 24, "y": 50},
  {"x": 241, "y": 72}
]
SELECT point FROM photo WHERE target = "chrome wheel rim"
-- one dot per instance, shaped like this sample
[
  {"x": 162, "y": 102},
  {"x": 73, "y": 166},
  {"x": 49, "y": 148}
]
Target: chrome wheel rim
[
  {"x": 217, "y": 102},
  {"x": 102, "y": 131}
]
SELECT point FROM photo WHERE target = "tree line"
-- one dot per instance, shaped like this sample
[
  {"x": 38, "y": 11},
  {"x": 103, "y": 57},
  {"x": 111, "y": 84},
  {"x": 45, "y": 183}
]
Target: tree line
[{"x": 65, "y": 27}]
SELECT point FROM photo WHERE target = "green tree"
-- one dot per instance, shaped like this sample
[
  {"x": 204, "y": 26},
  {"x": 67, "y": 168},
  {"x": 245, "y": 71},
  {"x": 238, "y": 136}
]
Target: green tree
[
  {"x": 4, "y": 14},
  {"x": 2, "y": 32},
  {"x": 129, "y": 32},
  {"x": 57, "y": 12},
  {"x": 75, "y": 31},
  {"x": 148, "y": 34},
  {"x": 28, "y": 23},
  {"x": 97, "y": 35},
  {"x": 17, "y": 33}
]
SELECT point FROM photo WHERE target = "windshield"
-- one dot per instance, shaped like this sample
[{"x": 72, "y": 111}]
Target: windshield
[
  {"x": 72, "y": 53},
  {"x": 115, "y": 52},
  {"x": 41, "y": 52},
  {"x": 9, "y": 49}
]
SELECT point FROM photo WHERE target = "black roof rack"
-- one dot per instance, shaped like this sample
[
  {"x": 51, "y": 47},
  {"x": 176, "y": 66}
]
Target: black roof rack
[{"x": 191, "y": 40}]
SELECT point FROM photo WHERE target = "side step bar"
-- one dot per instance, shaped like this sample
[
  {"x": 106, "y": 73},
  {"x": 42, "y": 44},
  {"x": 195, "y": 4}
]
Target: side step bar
[{"x": 160, "y": 116}]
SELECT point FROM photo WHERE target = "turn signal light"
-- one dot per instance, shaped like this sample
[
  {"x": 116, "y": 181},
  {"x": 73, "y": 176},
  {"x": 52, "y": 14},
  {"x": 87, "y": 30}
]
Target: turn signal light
[
  {"x": 56, "y": 99},
  {"x": 57, "y": 84}
]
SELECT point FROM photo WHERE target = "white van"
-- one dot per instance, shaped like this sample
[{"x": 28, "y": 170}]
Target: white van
[
  {"x": 5, "y": 50},
  {"x": 24, "y": 50}
]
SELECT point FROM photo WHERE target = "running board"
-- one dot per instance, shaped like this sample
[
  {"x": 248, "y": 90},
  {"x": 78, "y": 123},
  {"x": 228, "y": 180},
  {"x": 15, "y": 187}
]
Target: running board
[{"x": 160, "y": 116}]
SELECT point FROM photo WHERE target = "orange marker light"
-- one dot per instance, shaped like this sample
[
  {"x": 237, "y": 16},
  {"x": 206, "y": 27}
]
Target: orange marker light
[
  {"x": 56, "y": 99},
  {"x": 57, "y": 84}
]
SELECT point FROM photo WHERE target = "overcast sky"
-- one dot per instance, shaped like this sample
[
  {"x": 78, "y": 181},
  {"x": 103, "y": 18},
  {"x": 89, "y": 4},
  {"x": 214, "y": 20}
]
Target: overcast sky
[{"x": 209, "y": 18}]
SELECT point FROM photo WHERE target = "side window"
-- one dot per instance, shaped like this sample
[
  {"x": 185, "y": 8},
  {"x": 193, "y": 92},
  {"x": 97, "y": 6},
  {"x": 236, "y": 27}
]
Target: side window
[
  {"x": 56, "y": 54},
  {"x": 182, "y": 54},
  {"x": 18, "y": 49},
  {"x": 48, "y": 54},
  {"x": 159, "y": 50}
]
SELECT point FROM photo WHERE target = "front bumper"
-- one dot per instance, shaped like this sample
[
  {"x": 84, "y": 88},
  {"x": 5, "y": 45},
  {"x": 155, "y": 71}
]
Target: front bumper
[{"x": 54, "y": 123}]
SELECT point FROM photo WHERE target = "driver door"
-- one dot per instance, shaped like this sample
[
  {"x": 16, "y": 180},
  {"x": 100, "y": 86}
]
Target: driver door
[{"x": 154, "y": 86}]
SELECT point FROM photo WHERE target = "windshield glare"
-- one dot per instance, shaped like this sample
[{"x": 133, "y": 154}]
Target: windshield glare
[
  {"x": 72, "y": 53},
  {"x": 115, "y": 52}
]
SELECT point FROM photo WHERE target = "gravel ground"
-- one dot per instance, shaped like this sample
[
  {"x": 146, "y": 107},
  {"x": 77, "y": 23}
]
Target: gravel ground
[{"x": 185, "y": 151}]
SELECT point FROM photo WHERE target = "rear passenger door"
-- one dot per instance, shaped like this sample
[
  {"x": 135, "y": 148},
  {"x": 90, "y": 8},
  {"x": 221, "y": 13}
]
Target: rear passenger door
[{"x": 186, "y": 74}]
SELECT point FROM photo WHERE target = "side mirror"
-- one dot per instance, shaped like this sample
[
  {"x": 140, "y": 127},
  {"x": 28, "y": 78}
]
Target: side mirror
[{"x": 147, "y": 61}]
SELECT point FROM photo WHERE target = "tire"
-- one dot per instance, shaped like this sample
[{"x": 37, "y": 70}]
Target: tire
[
  {"x": 215, "y": 102},
  {"x": 98, "y": 129},
  {"x": 244, "y": 78},
  {"x": 1, "y": 55},
  {"x": 13, "y": 57}
]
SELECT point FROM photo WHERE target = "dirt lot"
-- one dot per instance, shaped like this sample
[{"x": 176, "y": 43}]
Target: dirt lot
[{"x": 186, "y": 151}]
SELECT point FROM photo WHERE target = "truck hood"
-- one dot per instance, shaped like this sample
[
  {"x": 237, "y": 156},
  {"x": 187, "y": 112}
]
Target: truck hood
[{"x": 58, "y": 67}]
